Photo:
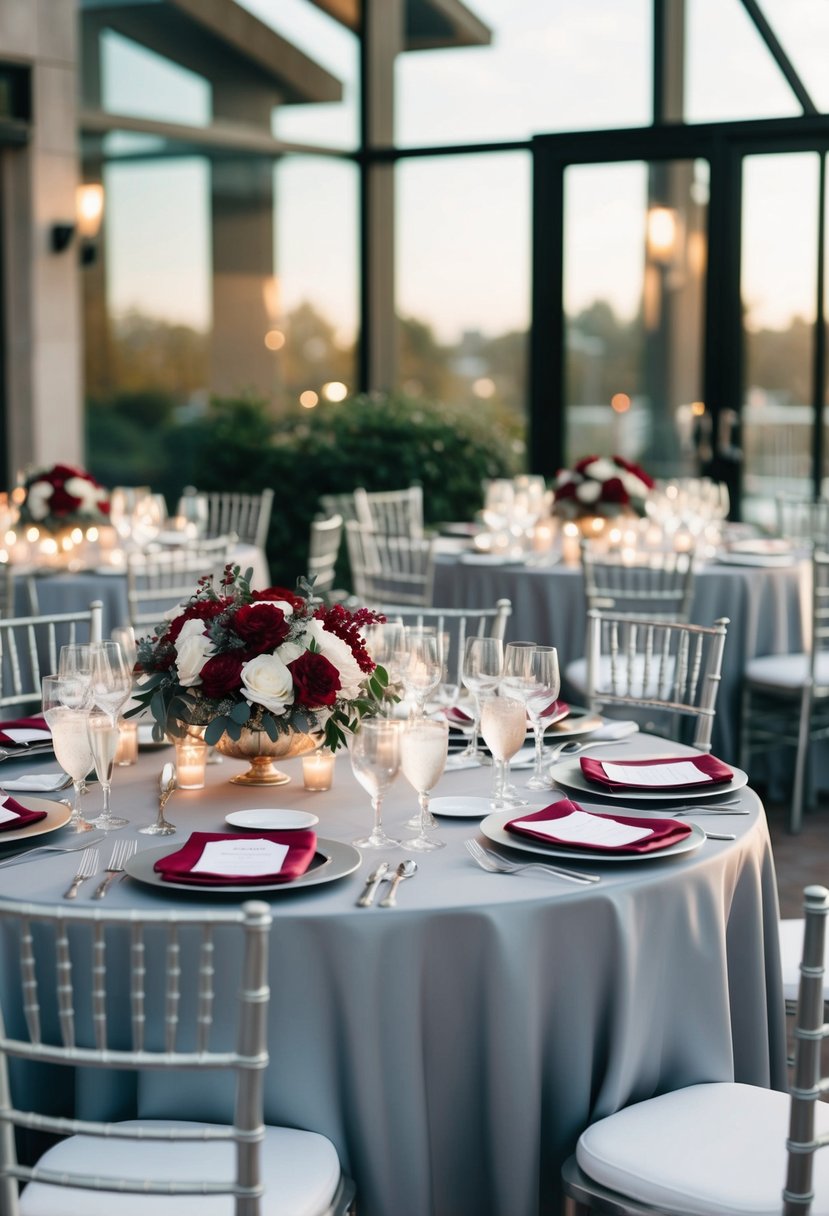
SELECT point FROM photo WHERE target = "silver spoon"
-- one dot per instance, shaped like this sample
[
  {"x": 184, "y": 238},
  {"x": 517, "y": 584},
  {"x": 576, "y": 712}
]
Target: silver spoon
[
  {"x": 574, "y": 746},
  {"x": 405, "y": 870}
]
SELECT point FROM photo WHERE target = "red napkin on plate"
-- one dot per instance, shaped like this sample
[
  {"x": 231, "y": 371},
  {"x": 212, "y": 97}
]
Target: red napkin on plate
[
  {"x": 664, "y": 832},
  {"x": 457, "y": 717},
  {"x": 22, "y": 724},
  {"x": 555, "y": 711},
  {"x": 23, "y": 817},
  {"x": 709, "y": 767},
  {"x": 178, "y": 866}
]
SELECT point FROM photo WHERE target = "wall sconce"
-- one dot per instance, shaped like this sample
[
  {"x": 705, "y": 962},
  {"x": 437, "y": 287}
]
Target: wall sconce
[
  {"x": 662, "y": 233},
  {"x": 89, "y": 211}
]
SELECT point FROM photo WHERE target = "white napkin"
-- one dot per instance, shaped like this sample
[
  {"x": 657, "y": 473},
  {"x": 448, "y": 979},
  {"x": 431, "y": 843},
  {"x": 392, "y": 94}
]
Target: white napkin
[{"x": 42, "y": 783}]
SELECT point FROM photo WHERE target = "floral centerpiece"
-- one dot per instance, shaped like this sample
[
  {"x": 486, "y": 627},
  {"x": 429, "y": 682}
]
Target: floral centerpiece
[
  {"x": 601, "y": 485},
  {"x": 63, "y": 497},
  {"x": 275, "y": 662}
]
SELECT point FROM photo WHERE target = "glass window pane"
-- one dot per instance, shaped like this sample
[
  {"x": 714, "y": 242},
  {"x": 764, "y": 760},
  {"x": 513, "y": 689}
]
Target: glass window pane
[
  {"x": 334, "y": 48},
  {"x": 463, "y": 280},
  {"x": 316, "y": 261},
  {"x": 633, "y": 298},
  {"x": 803, "y": 31},
  {"x": 583, "y": 64},
  {"x": 730, "y": 72},
  {"x": 779, "y": 293},
  {"x": 137, "y": 81}
]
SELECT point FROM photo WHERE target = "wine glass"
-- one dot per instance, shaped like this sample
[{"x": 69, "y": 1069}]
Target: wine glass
[
  {"x": 531, "y": 675},
  {"x": 419, "y": 665},
  {"x": 483, "y": 660},
  {"x": 423, "y": 747},
  {"x": 67, "y": 717},
  {"x": 504, "y": 727},
  {"x": 383, "y": 639},
  {"x": 110, "y": 687},
  {"x": 375, "y": 760}
]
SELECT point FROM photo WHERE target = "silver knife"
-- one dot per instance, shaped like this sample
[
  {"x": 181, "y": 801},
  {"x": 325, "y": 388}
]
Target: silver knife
[{"x": 372, "y": 883}]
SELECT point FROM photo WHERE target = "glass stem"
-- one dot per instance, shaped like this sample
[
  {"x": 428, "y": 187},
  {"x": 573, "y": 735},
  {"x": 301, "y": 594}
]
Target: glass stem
[
  {"x": 538, "y": 770},
  {"x": 376, "y": 805},
  {"x": 107, "y": 789},
  {"x": 499, "y": 776},
  {"x": 423, "y": 802},
  {"x": 77, "y": 787}
]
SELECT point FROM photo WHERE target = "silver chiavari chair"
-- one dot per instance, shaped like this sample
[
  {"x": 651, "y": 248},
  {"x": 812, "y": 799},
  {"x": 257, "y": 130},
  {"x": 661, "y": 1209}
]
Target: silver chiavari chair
[
  {"x": 651, "y": 584},
  {"x": 722, "y": 1146},
  {"x": 323, "y": 550},
  {"x": 158, "y": 581},
  {"x": 394, "y": 512},
  {"x": 30, "y": 648},
  {"x": 246, "y": 516},
  {"x": 118, "y": 990},
  {"x": 453, "y": 626},
  {"x": 387, "y": 568},
  {"x": 804, "y": 520}
]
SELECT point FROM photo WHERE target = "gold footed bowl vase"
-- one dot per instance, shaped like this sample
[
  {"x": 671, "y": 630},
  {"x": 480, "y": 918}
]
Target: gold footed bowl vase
[{"x": 257, "y": 747}]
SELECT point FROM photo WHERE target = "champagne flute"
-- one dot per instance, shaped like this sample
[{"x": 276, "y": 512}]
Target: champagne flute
[
  {"x": 375, "y": 760},
  {"x": 504, "y": 727},
  {"x": 483, "y": 660},
  {"x": 110, "y": 685},
  {"x": 424, "y": 744},
  {"x": 531, "y": 675},
  {"x": 67, "y": 718}
]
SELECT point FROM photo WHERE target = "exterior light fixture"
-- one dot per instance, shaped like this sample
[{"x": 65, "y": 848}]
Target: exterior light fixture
[{"x": 89, "y": 210}]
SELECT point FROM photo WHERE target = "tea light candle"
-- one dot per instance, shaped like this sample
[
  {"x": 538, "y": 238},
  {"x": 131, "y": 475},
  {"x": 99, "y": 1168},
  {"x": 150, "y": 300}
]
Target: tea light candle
[
  {"x": 191, "y": 757},
  {"x": 127, "y": 751},
  {"x": 318, "y": 770},
  {"x": 570, "y": 544}
]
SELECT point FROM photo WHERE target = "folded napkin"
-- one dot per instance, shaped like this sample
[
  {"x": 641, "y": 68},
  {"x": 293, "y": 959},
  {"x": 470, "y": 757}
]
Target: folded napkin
[
  {"x": 36, "y": 783},
  {"x": 665, "y": 773},
  {"x": 457, "y": 717},
  {"x": 555, "y": 712},
  {"x": 13, "y": 815},
  {"x": 565, "y": 825},
  {"x": 19, "y": 731},
  {"x": 222, "y": 858}
]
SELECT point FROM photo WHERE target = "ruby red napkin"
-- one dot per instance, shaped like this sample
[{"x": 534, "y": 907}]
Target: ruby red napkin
[
  {"x": 37, "y": 723},
  {"x": 712, "y": 772},
  {"x": 457, "y": 717},
  {"x": 178, "y": 866},
  {"x": 23, "y": 816},
  {"x": 663, "y": 832},
  {"x": 555, "y": 711}
]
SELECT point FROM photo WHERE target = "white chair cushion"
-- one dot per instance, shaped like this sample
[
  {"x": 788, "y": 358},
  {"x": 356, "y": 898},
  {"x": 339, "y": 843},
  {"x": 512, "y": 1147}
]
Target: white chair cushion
[
  {"x": 300, "y": 1172},
  {"x": 786, "y": 671},
  {"x": 791, "y": 952},
  {"x": 709, "y": 1150},
  {"x": 576, "y": 676}
]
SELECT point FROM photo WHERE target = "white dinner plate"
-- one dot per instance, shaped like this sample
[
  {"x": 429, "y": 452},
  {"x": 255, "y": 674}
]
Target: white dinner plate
[
  {"x": 488, "y": 559},
  {"x": 493, "y": 828},
  {"x": 332, "y": 860},
  {"x": 57, "y": 815},
  {"x": 768, "y": 561},
  {"x": 460, "y": 808},
  {"x": 271, "y": 819},
  {"x": 569, "y": 776},
  {"x": 578, "y": 722}
]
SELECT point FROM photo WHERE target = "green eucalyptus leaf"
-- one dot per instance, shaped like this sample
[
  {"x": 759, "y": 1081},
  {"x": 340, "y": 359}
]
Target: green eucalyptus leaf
[
  {"x": 214, "y": 731},
  {"x": 240, "y": 712}
]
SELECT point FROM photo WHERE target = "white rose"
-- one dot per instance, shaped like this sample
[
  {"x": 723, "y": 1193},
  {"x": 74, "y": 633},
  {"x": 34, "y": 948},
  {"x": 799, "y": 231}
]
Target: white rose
[
  {"x": 189, "y": 629},
  {"x": 601, "y": 469},
  {"x": 588, "y": 491},
  {"x": 634, "y": 487},
  {"x": 268, "y": 682},
  {"x": 37, "y": 499},
  {"x": 339, "y": 653},
  {"x": 289, "y": 651},
  {"x": 565, "y": 477},
  {"x": 192, "y": 653},
  {"x": 286, "y": 608},
  {"x": 80, "y": 488}
]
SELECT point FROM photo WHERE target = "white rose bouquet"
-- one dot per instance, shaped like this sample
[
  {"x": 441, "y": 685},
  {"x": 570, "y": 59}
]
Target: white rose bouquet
[
  {"x": 63, "y": 497},
  {"x": 272, "y": 660},
  {"x": 601, "y": 485}
]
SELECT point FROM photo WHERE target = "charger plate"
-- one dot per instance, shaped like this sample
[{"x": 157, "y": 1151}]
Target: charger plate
[
  {"x": 569, "y": 776},
  {"x": 493, "y": 828},
  {"x": 57, "y": 816},
  {"x": 332, "y": 860}
]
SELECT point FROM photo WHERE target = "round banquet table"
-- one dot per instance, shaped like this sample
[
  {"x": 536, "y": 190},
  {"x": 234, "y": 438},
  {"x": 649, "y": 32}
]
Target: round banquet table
[
  {"x": 763, "y": 604},
  {"x": 453, "y": 1048}
]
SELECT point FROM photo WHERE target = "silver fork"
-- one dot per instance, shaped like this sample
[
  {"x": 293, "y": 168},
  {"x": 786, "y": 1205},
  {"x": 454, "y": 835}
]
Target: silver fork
[
  {"x": 86, "y": 869},
  {"x": 47, "y": 848},
  {"x": 121, "y": 853},
  {"x": 499, "y": 865}
]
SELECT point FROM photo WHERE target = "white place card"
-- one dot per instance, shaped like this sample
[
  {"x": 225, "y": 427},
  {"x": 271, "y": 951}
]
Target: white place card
[
  {"x": 5, "y": 813},
  {"x": 26, "y": 734},
  {"x": 675, "y": 772},
  {"x": 580, "y": 827},
  {"x": 250, "y": 858}
]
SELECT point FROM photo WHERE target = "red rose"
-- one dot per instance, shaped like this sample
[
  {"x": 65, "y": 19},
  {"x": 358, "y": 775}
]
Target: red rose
[
  {"x": 316, "y": 680},
  {"x": 262, "y": 627},
  {"x": 568, "y": 490},
  {"x": 221, "y": 675},
  {"x": 62, "y": 503},
  {"x": 281, "y": 593},
  {"x": 584, "y": 462},
  {"x": 202, "y": 610},
  {"x": 62, "y": 472},
  {"x": 630, "y": 467},
  {"x": 614, "y": 491}
]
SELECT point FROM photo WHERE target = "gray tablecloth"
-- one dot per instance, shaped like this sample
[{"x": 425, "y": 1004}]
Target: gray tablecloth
[
  {"x": 454, "y": 1048},
  {"x": 762, "y": 604}
]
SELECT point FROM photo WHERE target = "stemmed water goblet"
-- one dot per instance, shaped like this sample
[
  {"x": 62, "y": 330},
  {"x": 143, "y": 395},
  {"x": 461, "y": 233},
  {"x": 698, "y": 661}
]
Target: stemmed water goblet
[
  {"x": 65, "y": 703},
  {"x": 504, "y": 727},
  {"x": 531, "y": 675},
  {"x": 423, "y": 747},
  {"x": 383, "y": 640},
  {"x": 375, "y": 760},
  {"x": 419, "y": 665},
  {"x": 483, "y": 660}
]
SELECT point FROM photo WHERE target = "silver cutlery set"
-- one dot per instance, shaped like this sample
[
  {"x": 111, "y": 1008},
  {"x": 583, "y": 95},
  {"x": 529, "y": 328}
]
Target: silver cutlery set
[
  {"x": 383, "y": 873},
  {"x": 88, "y": 867}
]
